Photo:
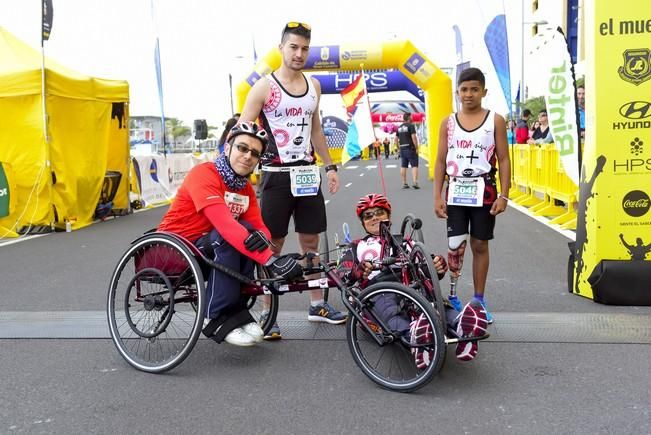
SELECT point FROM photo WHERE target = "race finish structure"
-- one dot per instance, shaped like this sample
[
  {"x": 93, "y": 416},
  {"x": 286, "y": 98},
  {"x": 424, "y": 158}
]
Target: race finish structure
[{"x": 611, "y": 260}]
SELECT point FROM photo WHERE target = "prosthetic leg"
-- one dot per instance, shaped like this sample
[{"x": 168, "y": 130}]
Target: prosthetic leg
[{"x": 456, "y": 249}]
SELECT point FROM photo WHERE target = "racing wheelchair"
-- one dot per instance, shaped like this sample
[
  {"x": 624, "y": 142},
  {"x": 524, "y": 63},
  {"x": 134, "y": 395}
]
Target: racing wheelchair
[{"x": 156, "y": 305}]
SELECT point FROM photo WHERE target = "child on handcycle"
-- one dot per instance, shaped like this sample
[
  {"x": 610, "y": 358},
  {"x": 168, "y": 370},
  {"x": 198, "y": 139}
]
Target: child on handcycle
[{"x": 356, "y": 267}]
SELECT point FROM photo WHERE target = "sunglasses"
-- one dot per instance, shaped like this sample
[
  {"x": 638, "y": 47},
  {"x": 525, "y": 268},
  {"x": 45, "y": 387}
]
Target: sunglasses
[
  {"x": 244, "y": 149},
  {"x": 368, "y": 215},
  {"x": 294, "y": 24}
]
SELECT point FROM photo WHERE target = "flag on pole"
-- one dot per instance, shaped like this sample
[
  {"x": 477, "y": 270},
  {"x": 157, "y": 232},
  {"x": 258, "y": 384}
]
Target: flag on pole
[
  {"x": 46, "y": 20},
  {"x": 497, "y": 42},
  {"x": 360, "y": 130}
]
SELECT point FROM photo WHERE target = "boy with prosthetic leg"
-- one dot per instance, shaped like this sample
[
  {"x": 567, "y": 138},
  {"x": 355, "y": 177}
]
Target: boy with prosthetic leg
[{"x": 472, "y": 144}]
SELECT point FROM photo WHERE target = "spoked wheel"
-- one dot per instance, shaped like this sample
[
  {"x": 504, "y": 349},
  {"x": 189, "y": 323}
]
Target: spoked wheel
[
  {"x": 257, "y": 305},
  {"x": 324, "y": 249},
  {"x": 156, "y": 303},
  {"x": 408, "y": 225},
  {"x": 407, "y": 360},
  {"x": 425, "y": 278}
]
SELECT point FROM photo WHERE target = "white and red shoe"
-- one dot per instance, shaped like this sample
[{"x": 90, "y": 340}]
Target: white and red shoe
[{"x": 472, "y": 323}]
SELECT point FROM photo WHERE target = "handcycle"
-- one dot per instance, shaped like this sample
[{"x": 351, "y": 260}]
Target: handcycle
[{"x": 156, "y": 305}]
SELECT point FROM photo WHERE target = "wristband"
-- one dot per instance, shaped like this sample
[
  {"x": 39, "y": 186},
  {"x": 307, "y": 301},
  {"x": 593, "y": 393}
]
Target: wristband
[
  {"x": 331, "y": 168},
  {"x": 502, "y": 196}
]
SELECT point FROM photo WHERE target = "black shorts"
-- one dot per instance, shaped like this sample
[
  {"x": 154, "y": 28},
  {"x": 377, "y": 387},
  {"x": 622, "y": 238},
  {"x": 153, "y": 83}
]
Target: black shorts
[
  {"x": 481, "y": 222},
  {"x": 279, "y": 205},
  {"x": 409, "y": 156}
]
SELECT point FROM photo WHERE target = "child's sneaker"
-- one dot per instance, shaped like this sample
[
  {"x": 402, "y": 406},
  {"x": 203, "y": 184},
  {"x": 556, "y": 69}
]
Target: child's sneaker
[
  {"x": 472, "y": 323},
  {"x": 455, "y": 302},
  {"x": 489, "y": 316}
]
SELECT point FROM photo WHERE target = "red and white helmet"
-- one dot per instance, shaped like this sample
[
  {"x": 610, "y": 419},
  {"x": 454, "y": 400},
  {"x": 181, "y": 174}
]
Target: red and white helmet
[{"x": 372, "y": 200}]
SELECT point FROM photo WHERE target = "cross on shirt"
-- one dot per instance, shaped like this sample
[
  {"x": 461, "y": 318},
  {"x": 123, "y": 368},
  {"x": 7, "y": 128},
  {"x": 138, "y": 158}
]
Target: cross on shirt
[
  {"x": 472, "y": 156},
  {"x": 302, "y": 123}
]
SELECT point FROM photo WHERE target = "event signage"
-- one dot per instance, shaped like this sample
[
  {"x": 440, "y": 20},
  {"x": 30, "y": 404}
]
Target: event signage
[
  {"x": 612, "y": 253},
  {"x": 376, "y": 81},
  {"x": 560, "y": 101},
  {"x": 4, "y": 192}
]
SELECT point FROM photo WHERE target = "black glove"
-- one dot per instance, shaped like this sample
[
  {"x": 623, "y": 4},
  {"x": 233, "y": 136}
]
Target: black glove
[
  {"x": 286, "y": 267},
  {"x": 256, "y": 241}
]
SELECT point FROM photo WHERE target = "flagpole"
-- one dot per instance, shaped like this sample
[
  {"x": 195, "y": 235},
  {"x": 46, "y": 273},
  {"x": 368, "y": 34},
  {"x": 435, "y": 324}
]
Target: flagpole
[
  {"x": 384, "y": 189},
  {"x": 46, "y": 28}
]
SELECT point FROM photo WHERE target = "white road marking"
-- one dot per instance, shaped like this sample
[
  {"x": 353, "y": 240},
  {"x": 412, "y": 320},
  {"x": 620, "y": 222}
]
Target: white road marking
[
  {"x": 361, "y": 175},
  {"x": 352, "y": 167},
  {"x": 371, "y": 167},
  {"x": 327, "y": 201},
  {"x": 348, "y": 184},
  {"x": 391, "y": 166}
]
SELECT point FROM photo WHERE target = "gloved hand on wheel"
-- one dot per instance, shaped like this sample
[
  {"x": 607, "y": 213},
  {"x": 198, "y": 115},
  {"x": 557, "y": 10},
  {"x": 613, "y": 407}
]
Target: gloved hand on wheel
[
  {"x": 256, "y": 241},
  {"x": 285, "y": 266}
]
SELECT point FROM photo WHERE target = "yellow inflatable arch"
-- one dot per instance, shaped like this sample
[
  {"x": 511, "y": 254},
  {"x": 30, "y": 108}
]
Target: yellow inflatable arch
[{"x": 400, "y": 55}]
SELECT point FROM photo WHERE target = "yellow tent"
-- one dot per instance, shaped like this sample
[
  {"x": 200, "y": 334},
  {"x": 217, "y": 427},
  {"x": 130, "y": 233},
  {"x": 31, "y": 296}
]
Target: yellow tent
[{"x": 61, "y": 179}]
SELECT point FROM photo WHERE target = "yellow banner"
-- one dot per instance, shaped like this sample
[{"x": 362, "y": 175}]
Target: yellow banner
[{"x": 614, "y": 216}]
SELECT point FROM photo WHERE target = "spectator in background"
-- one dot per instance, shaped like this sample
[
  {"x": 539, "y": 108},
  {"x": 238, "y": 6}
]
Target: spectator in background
[
  {"x": 227, "y": 128},
  {"x": 510, "y": 132},
  {"x": 522, "y": 128},
  {"x": 386, "y": 143},
  {"x": 580, "y": 99},
  {"x": 533, "y": 128},
  {"x": 543, "y": 133}
]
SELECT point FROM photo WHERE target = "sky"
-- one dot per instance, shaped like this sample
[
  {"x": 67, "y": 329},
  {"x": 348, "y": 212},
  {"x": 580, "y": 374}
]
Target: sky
[{"x": 202, "y": 41}]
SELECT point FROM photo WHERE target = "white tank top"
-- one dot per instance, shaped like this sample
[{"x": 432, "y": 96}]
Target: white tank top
[
  {"x": 288, "y": 121},
  {"x": 471, "y": 153},
  {"x": 369, "y": 249}
]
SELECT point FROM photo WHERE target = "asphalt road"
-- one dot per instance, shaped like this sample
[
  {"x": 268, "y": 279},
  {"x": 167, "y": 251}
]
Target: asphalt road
[{"x": 593, "y": 379}]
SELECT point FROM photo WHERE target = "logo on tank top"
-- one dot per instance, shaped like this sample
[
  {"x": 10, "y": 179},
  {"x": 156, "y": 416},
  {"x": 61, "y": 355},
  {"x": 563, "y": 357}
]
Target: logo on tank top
[
  {"x": 281, "y": 137},
  {"x": 275, "y": 95}
]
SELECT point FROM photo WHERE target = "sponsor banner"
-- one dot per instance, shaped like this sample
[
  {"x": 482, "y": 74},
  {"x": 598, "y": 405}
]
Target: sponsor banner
[
  {"x": 4, "y": 192},
  {"x": 323, "y": 57},
  {"x": 352, "y": 55},
  {"x": 420, "y": 67},
  {"x": 560, "y": 100},
  {"x": 377, "y": 81},
  {"x": 614, "y": 210},
  {"x": 397, "y": 117},
  {"x": 154, "y": 181}
]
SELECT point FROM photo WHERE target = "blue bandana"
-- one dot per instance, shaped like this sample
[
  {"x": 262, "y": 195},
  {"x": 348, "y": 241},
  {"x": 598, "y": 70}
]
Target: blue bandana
[{"x": 232, "y": 180}]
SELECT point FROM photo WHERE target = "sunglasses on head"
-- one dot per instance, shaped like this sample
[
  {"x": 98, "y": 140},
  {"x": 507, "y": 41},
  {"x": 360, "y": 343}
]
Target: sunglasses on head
[
  {"x": 294, "y": 24},
  {"x": 370, "y": 214},
  {"x": 244, "y": 149}
]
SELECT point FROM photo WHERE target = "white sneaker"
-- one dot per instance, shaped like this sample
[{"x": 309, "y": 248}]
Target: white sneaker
[
  {"x": 238, "y": 337},
  {"x": 254, "y": 330}
]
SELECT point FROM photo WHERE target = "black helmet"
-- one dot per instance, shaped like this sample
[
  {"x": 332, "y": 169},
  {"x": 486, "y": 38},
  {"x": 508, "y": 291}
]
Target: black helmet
[{"x": 249, "y": 128}]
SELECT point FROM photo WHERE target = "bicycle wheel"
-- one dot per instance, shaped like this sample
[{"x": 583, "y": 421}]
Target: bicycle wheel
[
  {"x": 256, "y": 304},
  {"x": 425, "y": 278},
  {"x": 406, "y": 361},
  {"x": 407, "y": 225},
  {"x": 156, "y": 303},
  {"x": 324, "y": 249}
]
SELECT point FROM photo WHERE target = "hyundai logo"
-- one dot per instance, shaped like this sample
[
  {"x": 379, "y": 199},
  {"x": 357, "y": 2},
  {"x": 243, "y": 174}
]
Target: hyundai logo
[{"x": 636, "y": 110}]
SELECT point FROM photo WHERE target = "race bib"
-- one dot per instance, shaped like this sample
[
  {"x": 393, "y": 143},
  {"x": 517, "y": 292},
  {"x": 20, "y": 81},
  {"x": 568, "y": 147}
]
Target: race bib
[
  {"x": 305, "y": 180},
  {"x": 466, "y": 191},
  {"x": 236, "y": 203}
]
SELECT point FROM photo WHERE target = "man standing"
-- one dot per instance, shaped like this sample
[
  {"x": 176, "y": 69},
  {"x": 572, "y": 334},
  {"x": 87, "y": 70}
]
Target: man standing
[
  {"x": 407, "y": 140},
  {"x": 522, "y": 128},
  {"x": 287, "y": 103},
  {"x": 580, "y": 97}
]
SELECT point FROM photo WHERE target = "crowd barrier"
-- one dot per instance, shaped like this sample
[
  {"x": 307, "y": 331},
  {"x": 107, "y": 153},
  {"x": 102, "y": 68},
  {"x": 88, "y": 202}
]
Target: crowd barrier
[{"x": 540, "y": 183}]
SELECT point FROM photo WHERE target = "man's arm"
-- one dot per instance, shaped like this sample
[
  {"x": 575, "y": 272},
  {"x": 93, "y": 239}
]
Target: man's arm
[
  {"x": 504, "y": 161},
  {"x": 414, "y": 136},
  {"x": 319, "y": 142},
  {"x": 440, "y": 207},
  {"x": 255, "y": 100}
]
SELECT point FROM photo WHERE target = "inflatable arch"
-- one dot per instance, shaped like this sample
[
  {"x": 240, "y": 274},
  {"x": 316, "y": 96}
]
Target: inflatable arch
[{"x": 400, "y": 55}]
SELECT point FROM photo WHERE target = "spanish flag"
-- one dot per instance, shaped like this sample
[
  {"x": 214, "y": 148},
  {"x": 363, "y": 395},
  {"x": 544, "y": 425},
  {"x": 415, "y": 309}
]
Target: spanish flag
[{"x": 360, "y": 129}]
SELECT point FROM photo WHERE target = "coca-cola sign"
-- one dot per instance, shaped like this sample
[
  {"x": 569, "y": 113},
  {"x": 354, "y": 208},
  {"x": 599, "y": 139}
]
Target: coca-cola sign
[{"x": 636, "y": 203}]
